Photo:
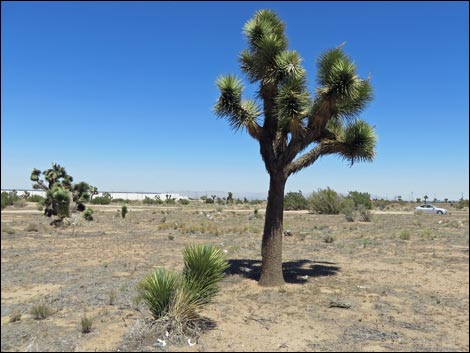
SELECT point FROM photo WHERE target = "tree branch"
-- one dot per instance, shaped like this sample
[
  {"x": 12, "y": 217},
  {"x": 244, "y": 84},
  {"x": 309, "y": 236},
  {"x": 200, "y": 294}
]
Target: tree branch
[{"x": 323, "y": 148}]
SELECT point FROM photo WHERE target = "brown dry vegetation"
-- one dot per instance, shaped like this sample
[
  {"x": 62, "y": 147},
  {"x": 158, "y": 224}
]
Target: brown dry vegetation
[{"x": 398, "y": 283}]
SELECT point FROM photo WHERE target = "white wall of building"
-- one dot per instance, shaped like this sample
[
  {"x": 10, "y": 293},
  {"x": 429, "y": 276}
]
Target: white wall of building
[{"x": 115, "y": 195}]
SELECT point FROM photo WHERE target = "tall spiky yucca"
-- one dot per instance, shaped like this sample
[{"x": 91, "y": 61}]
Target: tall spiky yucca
[{"x": 290, "y": 120}]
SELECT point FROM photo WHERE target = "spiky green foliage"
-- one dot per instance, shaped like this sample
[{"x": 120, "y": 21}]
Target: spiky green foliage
[
  {"x": 58, "y": 200},
  {"x": 180, "y": 297},
  {"x": 60, "y": 191},
  {"x": 123, "y": 211},
  {"x": 9, "y": 198},
  {"x": 291, "y": 118},
  {"x": 158, "y": 289},
  {"x": 88, "y": 214},
  {"x": 204, "y": 267}
]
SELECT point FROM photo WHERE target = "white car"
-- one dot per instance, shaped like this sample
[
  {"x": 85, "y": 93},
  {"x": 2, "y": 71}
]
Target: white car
[{"x": 430, "y": 209}]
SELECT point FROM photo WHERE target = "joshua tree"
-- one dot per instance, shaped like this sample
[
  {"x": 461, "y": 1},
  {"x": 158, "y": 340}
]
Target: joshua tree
[
  {"x": 290, "y": 120},
  {"x": 425, "y": 197},
  {"x": 59, "y": 191},
  {"x": 230, "y": 198},
  {"x": 93, "y": 191}
]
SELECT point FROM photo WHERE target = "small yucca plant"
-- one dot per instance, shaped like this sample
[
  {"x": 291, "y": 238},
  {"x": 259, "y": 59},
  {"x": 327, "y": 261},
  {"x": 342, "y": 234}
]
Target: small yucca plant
[
  {"x": 88, "y": 214},
  {"x": 157, "y": 291},
  {"x": 179, "y": 297},
  {"x": 123, "y": 211},
  {"x": 204, "y": 267}
]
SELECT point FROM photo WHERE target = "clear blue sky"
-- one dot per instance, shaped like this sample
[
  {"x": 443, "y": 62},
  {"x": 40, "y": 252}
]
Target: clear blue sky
[{"x": 120, "y": 94}]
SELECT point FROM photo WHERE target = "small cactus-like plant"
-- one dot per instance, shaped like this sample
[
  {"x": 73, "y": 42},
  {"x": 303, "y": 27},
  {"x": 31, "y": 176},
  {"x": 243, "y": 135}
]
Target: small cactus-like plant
[
  {"x": 123, "y": 211},
  {"x": 180, "y": 296},
  {"x": 86, "y": 323},
  {"x": 88, "y": 214}
]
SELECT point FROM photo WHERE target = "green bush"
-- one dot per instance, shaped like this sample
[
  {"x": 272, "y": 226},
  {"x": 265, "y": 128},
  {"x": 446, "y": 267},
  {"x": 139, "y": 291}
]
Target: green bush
[
  {"x": 101, "y": 200},
  {"x": 36, "y": 198},
  {"x": 348, "y": 209},
  {"x": 295, "y": 201},
  {"x": 209, "y": 200},
  {"x": 60, "y": 201},
  {"x": 86, "y": 324},
  {"x": 148, "y": 201},
  {"x": 204, "y": 267},
  {"x": 184, "y": 201},
  {"x": 360, "y": 198},
  {"x": 326, "y": 201},
  {"x": 123, "y": 211},
  {"x": 158, "y": 289},
  {"x": 461, "y": 204},
  {"x": 9, "y": 198},
  {"x": 87, "y": 214},
  {"x": 179, "y": 297}
]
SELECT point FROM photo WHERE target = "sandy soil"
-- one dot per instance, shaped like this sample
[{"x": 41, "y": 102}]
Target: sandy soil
[{"x": 403, "y": 279}]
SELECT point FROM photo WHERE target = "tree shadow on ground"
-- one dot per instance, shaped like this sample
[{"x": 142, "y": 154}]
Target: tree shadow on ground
[{"x": 294, "y": 271}]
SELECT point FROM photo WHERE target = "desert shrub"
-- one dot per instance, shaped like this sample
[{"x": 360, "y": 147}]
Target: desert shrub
[
  {"x": 326, "y": 201},
  {"x": 461, "y": 204},
  {"x": 101, "y": 200},
  {"x": 41, "y": 311},
  {"x": 8, "y": 230},
  {"x": 295, "y": 201},
  {"x": 348, "y": 209},
  {"x": 183, "y": 201},
  {"x": 20, "y": 203},
  {"x": 123, "y": 211},
  {"x": 208, "y": 200},
  {"x": 364, "y": 213},
  {"x": 32, "y": 228},
  {"x": 15, "y": 316},
  {"x": 86, "y": 323},
  {"x": 328, "y": 239},
  {"x": 8, "y": 198},
  {"x": 36, "y": 198},
  {"x": 256, "y": 202},
  {"x": 405, "y": 235},
  {"x": 148, "y": 201},
  {"x": 119, "y": 200},
  {"x": 360, "y": 198},
  {"x": 87, "y": 214}
]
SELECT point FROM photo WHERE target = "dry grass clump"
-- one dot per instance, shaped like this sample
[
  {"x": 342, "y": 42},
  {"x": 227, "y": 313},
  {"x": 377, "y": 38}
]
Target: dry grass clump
[
  {"x": 32, "y": 228},
  {"x": 86, "y": 324},
  {"x": 9, "y": 230},
  {"x": 15, "y": 316},
  {"x": 41, "y": 311}
]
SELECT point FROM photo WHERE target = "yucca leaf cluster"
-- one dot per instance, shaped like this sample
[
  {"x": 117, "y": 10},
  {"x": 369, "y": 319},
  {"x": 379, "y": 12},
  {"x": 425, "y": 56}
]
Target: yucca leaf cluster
[
  {"x": 178, "y": 297},
  {"x": 285, "y": 117}
]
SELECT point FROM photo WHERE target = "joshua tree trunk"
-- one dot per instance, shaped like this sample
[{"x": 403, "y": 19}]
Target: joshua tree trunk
[{"x": 271, "y": 247}]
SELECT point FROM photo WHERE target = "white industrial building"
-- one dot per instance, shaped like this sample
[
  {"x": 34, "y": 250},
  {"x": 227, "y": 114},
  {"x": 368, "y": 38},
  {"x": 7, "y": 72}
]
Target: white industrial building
[{"x": 115, "y": 194}]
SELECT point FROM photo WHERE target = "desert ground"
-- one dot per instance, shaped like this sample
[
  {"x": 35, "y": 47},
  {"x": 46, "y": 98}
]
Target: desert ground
[{"x": 397, "y": 283}]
